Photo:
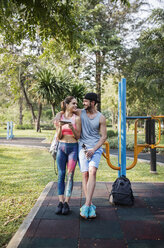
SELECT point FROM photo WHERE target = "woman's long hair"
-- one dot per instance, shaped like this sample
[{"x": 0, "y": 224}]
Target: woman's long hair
[{"x": 67, "y": 100}]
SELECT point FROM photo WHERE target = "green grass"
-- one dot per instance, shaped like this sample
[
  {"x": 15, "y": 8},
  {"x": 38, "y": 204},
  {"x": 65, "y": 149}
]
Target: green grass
[
  {"x": 25, "y": 172},
  {"x": 28, "y": 133}
]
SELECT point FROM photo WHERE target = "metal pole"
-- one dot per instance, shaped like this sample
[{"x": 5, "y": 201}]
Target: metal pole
[
  {"x": 152, "y": 151},
  {"x": 153, "y": 168},
  {"x": 123, "y": 127},
  {"x": 119, "y": 127},
  {"x": 8, "y": 130},
  {"x": 11, "y": 127}
]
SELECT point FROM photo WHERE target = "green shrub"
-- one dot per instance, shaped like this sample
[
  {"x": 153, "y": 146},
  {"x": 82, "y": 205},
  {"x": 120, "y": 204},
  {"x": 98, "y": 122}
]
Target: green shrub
[
  {"x": 113, "y": 142},
  {"x": 109, "y": 125},
  {"x": 47, "y": 127},
  {"x": 24, "y": 126},
  {"x": 111, "y": 133}
]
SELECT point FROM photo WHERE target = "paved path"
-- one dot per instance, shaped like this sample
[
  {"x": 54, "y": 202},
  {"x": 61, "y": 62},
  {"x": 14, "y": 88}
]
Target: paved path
[
  {"x": 40, "y": 142},
  {"x": 141, "y": 225}
]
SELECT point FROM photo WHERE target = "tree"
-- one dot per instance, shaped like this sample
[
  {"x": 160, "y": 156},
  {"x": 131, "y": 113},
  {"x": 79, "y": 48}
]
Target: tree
[
  {"x": 51, "y": 86},
  {"x": 78, "y": 90},
  {"x": 102, "y": 24},
  {"x": 144, "y": 69},
  {"x": 53, "y": 18},
  {"x": 110, "y": 99}
]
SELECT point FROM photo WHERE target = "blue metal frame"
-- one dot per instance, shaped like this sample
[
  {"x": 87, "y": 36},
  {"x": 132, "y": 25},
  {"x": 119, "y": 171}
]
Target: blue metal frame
[
  {"x": 123, "y": 127},
  {"x": 119, "y": 127},
  {"x": 10, "y": 130},
  {"x": 138, "y": 117}
]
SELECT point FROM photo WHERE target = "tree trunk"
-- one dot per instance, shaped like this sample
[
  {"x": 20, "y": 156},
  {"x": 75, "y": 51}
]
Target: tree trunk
[
  {"x": 100, "y": 59},
  {"x": 53, "y": 109},
  {"x": 113, "y": 119},
  {"x": 98, "y": 78},
  {"x": 128, "y": 123},
  {"x": 38, "y": 119},
  {"x": 28, "y": 101},
  {"x": 20, "y": 111}
]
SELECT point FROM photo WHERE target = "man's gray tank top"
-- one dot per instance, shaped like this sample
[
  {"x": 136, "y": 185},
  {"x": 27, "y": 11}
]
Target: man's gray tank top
[{"x": 90, "y": 129}]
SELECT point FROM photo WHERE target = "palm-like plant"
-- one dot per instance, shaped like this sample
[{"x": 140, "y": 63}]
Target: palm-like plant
[
  {"x": 78, "y": 90},
  {"x": 50, "y": 87}
]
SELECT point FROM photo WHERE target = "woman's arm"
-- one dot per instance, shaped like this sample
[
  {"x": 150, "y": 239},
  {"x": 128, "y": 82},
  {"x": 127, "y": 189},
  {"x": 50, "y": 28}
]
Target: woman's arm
[{"x": 76, "y": 131}]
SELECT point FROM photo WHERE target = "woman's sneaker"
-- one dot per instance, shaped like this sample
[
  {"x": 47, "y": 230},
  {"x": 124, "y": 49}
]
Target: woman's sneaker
[
  {"x": 84, "y": 211},
  {"x": 92, "y": 212},
  {"x": 65, "y": 209},
  {"x": 59, "y": 208}
]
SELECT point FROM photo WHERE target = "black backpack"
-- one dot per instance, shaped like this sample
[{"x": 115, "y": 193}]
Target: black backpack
[{"x": 122, "y": 193}]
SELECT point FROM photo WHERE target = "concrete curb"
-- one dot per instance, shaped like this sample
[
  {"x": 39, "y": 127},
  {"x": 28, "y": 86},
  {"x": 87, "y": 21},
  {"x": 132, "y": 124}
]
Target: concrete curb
[{"x": 16, "y": 239}]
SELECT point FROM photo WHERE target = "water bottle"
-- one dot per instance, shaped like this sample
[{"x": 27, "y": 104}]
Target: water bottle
[{"x": 85, "y": 151}]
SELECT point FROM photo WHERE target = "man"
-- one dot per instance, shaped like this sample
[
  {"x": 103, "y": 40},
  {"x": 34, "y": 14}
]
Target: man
[{"x": 93, "y": 135}]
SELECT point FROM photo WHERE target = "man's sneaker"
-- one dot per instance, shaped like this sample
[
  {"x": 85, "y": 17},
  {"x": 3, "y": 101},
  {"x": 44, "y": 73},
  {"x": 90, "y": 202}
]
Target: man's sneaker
[
  {"x": 94, "y": 207},
  {"x": 84, "y": 212},
  {"x": 92, "y": 212},
  {"x": 65, "y": 209},
  {"x": 59, "y": 208}
]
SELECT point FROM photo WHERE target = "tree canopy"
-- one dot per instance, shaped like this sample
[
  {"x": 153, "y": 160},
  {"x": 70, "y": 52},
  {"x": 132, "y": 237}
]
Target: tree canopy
[{"x": 20, "y": 19}]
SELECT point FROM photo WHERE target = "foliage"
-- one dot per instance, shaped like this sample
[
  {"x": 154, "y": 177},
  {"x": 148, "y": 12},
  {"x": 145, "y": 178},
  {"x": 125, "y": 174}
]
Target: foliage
[
  {"x": 53, "y": 18},
  {"x": 78, "y": 90},
  {"x": 47, "y": 127},
  {"x": 25, "y": 126},
  {"x": 111, "y": 133},
  {"x": 50, "y": 86},
  {"x": 54, "y": 86},
  {"x": 22, "y": 19},
  {"x": 109, "y": 101},
  {"x": 144, "y": 70},
  {"x": 103, "y": 26}
]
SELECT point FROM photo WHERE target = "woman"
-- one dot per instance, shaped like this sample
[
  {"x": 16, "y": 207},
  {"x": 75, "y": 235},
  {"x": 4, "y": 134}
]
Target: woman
[{"x": 68, "y": 132}]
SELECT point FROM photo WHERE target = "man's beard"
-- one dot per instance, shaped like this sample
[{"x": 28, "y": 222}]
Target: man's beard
[{"x": 88, "y": 107}]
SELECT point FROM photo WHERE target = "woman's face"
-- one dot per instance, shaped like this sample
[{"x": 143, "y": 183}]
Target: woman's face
[{"x": 72, "y": 106}]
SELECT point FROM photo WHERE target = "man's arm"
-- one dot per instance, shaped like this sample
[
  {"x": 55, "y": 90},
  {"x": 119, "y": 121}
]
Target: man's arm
[
  {"x": 103, "y": 133},
  {"x": 76, "y": 131},
  {"x": 78, "y": 112},
  {"x": 58, "y": 116}
]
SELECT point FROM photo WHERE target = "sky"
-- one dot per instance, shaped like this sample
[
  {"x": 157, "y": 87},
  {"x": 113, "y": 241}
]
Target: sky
[{"x": 153, "y": 4}]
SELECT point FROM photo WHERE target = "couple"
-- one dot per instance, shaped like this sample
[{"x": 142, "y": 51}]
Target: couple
[{"x": 89, "y": 127}]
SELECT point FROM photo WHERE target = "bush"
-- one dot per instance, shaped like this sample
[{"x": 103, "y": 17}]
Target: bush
[
  {"x": 47, "y": 127},
  {"x": 111, "y": 133},
  {"x": 113, "y": 142},
  {"x": 24, "y": 126},
  {"x": 109, "y": 125}
]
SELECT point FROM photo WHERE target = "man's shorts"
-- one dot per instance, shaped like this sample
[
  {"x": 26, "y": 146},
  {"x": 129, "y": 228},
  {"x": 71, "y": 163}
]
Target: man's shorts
[{"x": 84, "y": 163}]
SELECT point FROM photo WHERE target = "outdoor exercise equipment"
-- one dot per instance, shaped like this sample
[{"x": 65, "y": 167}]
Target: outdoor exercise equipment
[
  {"x": 10, "y": 130},
  {"x": 150, "y": 134}
]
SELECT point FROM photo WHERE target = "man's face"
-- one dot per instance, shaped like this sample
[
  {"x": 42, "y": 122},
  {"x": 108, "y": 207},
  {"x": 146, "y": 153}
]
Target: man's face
[{"x": 87, "y": 104}]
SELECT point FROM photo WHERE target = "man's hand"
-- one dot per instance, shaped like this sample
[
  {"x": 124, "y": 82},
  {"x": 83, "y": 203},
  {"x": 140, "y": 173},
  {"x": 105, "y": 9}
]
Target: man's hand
[
  {"x": 70, "y": 126},
  {"x": 90, "y": 153}
]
